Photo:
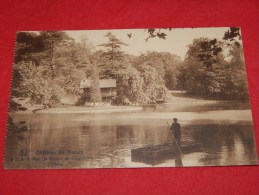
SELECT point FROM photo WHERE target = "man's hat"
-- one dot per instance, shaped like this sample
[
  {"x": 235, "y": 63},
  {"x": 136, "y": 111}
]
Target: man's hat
[{"x": 175, "y": 119}]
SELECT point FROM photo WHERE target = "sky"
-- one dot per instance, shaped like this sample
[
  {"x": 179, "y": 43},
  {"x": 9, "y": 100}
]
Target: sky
[{"x": 176, "y": 41}]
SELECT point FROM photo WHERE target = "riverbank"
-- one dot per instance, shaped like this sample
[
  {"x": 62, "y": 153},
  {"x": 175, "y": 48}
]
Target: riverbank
[
  {"x": 176, "y": 101},
  {"x": 86, "y": 109}
]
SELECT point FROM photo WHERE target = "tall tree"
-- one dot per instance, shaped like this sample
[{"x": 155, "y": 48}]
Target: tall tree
[
  {"x": 152, "y": 70},
  {"x": 202, "y": 72},
  {"x": 129, "y": 87},
  {"x": 53, "y": 41},
  {"x": 113, "y": 48},
  {"x": 166, "y": 64},
  {"x": 95, "y": 92},
  {"x": 236, "y": 85},
  {"x": 209, "y": 75},
  {"x": 112, "y": 59}
]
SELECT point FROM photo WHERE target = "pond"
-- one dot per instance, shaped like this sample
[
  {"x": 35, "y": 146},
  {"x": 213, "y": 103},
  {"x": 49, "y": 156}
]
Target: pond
[{"x": 225, "y": 132}]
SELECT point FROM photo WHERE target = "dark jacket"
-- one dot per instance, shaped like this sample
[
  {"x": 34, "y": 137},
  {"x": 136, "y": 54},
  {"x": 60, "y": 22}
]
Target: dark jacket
[{"x": 176, "y": 127}]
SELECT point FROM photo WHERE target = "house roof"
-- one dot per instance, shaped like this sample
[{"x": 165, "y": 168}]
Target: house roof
[{"x": 104, "y": 83}]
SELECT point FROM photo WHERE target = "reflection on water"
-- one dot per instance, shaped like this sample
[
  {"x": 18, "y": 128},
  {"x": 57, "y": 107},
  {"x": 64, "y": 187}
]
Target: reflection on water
[
  {"x": 196, "y": 107},
  {"x": 178, "y": 161},
  {"x": 106, "y": 140}
]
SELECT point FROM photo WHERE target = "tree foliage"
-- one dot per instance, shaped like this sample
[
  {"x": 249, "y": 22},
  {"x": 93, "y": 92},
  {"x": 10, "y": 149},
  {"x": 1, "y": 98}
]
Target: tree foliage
[
  {"x": 113, "y": 50},
  {"x": 129, "y": 87},
  {"x": 139, "y": 79},
  {"x": 233, "y": 35},
  {"x": 236, "y": 83},
  {"x": 112, "y": 59},
  {"x": 49, "y": 66},
  {"x": 207, "y": 74},
  {"x": 165, "y": 64},
  {"x": 46, "y": 68},
  {"x": 152, "y": 33},
  {"x": 95, "y": 92}
]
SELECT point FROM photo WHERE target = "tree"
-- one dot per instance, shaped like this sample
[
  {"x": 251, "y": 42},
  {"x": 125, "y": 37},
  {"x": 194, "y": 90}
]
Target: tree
[
  {"x": 113, "y": 48},
  {"x": 82, "y": 54},
  {"x": 213, "y": 76},
  {"x": 29, "y": 47},
  {"x": 153, "y": 86},
  {"x": 112, "y": 59},
  {"x": 95, "y": 92},
  {"x": 129, "y": 87},
  {"x": 233, "y": 35},
  {"x": 166, "y": 65},
  {"x": 202, "y": 72},
  {"x": 236, "y": 85},
  {"x": 48, "y": 68},
  {"x": 39, "y": 89},
  {"x": 171, "y": 64},
  {"x": 53, "y": 41},
  {"x": 151, "y": 68}
]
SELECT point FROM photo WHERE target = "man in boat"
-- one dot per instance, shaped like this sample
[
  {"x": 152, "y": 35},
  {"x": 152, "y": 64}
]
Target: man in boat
[{"x": 176, "y": 128}]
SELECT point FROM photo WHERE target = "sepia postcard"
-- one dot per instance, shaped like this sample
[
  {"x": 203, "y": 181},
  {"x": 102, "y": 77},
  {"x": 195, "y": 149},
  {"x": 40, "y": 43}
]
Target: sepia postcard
[{"x": 169, "y": 97}]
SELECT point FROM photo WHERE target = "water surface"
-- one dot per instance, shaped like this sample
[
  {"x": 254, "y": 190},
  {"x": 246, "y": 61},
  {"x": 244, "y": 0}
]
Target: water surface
[{"x": 225, "y": 132}]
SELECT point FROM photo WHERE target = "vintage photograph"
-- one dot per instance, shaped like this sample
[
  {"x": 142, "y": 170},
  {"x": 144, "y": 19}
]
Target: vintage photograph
[{"x": 165, "y": 97}]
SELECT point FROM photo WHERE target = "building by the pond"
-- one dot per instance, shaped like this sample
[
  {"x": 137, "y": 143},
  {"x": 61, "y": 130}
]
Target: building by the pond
[{"x": 107, "y": 87}]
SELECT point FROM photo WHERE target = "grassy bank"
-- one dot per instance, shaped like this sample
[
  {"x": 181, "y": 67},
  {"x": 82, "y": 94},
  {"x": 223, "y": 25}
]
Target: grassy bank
[
  {"x": 84, "y": 109},
  {"x": 180, "y": 101}
]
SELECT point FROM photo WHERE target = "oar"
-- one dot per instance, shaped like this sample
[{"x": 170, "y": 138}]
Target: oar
[{"x": 175, "y": 140}]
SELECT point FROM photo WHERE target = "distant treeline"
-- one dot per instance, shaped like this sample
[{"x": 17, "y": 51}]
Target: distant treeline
[{"x": 49, "y": 66}]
